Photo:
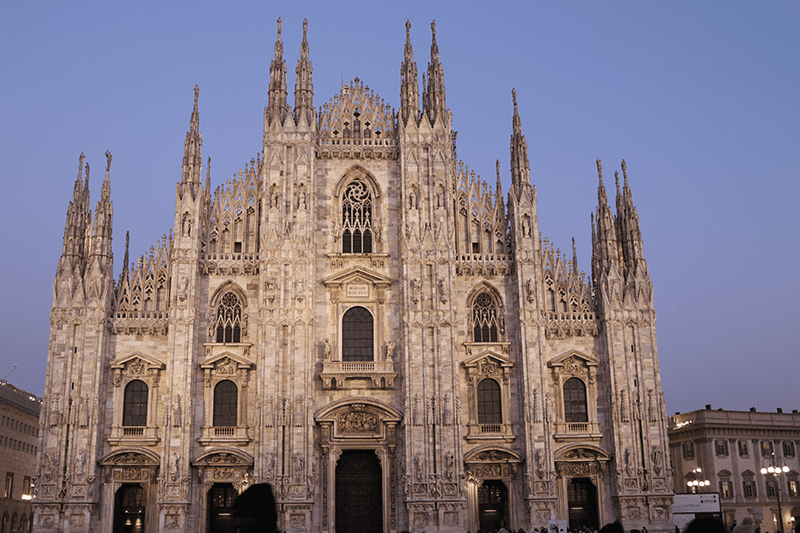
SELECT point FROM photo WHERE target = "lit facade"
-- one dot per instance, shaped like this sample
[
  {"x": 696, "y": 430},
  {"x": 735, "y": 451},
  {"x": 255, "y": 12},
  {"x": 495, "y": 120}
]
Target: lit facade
[{"x": 359, "y": 320}]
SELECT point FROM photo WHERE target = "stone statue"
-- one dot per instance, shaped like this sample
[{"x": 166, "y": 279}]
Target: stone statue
[
  {"x": 176, "y": 411},
  {"x": 389, "y": 351},
  {"x": 326, "y": 350}
]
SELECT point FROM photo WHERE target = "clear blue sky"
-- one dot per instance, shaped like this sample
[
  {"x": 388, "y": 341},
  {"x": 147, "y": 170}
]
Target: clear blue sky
[{"x": 700, "y": 98}]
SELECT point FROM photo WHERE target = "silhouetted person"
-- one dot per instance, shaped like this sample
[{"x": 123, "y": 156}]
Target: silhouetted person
[
  {"x": 616, "y": 527},
  {"x": 255, "y": 511},
  {"x": 705, "y": 525}
]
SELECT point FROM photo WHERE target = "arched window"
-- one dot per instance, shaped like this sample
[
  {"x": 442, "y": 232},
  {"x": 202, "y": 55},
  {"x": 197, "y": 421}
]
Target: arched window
[
  {"x": 484, "y": 319},
  {"x": 229, "y": 319},
  {"x": 489, "y": 406},
  {"x": 226, "y": 404},
  {"x": 357, "y": 219},
  {"x": 357, "y": 335},
  {"x": 134, "y": 409},
  {"x": 575, "y": 401}
]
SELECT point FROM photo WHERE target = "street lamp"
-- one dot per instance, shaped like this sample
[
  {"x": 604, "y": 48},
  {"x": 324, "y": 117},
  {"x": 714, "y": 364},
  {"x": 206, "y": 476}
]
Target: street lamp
[
  {"x": 695, "y": 483},
  {"x": 776, "y": 471}
]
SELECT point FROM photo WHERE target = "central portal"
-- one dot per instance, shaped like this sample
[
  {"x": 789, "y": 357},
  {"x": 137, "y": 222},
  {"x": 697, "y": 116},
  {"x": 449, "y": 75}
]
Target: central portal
[
  {"x": 359, "y": 492},
  {"x": 582, "y": 503},
  {"x": 493, "y": 505}
]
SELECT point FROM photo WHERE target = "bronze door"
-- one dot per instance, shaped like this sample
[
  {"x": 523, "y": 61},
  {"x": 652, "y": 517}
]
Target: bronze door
[
  {"x": 359, "y": 494},
  {"x": 129, "y": 506},
  {"x": 582, "y": 503},
  {"x": 493, "y": 505}
]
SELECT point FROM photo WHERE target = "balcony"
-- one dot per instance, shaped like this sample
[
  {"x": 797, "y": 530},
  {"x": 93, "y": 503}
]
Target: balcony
[
  {"x": 490, "y": 432},
  {"x": 577, "y": 431},
  {"x": 225, "y": 436},
  {"x": 138, "y": 435},
  {"x": 358, "y": 375}
]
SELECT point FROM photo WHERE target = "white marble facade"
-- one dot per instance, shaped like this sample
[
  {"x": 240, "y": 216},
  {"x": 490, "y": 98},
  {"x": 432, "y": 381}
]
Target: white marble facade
[{"x": 354, "y": 290}]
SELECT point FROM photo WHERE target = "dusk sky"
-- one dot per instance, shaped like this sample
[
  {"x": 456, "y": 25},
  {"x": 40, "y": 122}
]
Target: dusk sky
[{"x": 702, "y": 100}]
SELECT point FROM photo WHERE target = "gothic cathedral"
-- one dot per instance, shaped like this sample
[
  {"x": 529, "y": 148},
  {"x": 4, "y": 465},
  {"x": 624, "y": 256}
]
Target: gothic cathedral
[{"x": 360, "y": 321}]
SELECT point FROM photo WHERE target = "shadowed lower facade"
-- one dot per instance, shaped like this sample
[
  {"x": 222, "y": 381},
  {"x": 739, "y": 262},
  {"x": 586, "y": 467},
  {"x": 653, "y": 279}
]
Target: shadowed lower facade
[{"x": 359, "y": 320}]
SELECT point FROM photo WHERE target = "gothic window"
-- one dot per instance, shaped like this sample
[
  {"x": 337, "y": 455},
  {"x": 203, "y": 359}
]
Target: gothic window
[
  {"x": 226, "y": 402},
  {"x": 489, "y": 406},
  {"x": 357, "y": 219},
  {"x": 134, "y": 410},
  {"x": 357, "y": 335},
  {"x": 485, "y": 320},
  {"x": 229, "y": 319},
  {"x": 575, "y": 401}
]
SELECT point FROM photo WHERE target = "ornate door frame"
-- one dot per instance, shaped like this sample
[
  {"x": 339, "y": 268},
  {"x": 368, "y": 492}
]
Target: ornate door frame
[
  {"x": 358, "y": 424},
  {"x": 581, "y": 461},
  {"x": 491, "y": 462}
]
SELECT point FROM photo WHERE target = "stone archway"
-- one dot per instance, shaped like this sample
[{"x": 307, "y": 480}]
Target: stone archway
[
  {"x": 581, "y": 470},
  {"x": 221, "y": 472},
  {"x": 491, "y": 485},
  {"x": 134, "y": 485},
  {"x": 360, "y": 427}
]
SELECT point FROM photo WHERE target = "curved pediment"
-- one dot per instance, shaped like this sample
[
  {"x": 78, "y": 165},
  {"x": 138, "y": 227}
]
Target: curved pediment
[
  {"x": 386, "y": 412},
  {"x": 492, "y": 454},
  {"x": 223, "y": 457},
  {"x": 582, "y": 452},
  {"x": 131, "y": 457}
]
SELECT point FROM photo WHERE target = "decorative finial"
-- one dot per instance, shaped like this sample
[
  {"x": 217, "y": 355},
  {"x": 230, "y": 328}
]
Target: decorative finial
[
  {"x": 497, "y": 166},
  {"x": 624, "y": 169},
  {"x": 279, "y": 27},
  {"x": 433, "y": 28},
  {"x": 616, "y": 179},
  {"x": 514, "y": 96},
  {"x": 108, "y": 160},
  {"x": 305, "y": 28},
  {"x": 600, "y": 169},
  {"x": 408, "y": 28}
]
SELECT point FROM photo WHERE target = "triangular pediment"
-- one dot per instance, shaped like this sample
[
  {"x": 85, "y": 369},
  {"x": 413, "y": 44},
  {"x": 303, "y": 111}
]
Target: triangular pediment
[
  {"x": 214, "y": 360},
  {"x": 488, "y": 356},
  {"x": 149, "y": 362},
  {"x": 357, "y": 274},
  {"x": 581, "y": 357}
]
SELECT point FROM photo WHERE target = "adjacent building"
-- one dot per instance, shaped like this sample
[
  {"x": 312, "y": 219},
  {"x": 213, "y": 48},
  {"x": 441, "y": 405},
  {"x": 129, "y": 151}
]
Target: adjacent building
[
  {"x": 361, "y": 321},
  {"x": 729, "y": 449},
  {"x": 19, "y": 445}
]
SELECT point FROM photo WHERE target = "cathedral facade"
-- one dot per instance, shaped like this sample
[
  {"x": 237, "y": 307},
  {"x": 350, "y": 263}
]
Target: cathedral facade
[{"x": 360, "y": 321}]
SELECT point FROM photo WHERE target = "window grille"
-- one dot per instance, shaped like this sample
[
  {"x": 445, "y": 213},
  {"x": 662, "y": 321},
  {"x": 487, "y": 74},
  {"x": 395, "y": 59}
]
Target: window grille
[
  {"x": 226, "y": 404},
  {"x": 575, "y": 401},
  {"x": 489, "y": 406},
  {"x": 485, "y": 319},
  {"x": 229, "y": 319},
  {"x": 357, "y": 335},
  {"x": 357, "y": 219},
  {"x": 134, "y": 409}
]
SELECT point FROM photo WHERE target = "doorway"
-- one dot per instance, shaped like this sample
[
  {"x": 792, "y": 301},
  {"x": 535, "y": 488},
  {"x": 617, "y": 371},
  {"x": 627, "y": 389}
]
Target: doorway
[
  {"x": 359, "y": 492},
  {"x": 129, "y": 506},
  {"x": 582, "y": 501},
  {"x": 220, "y": 508},
  {"x": 493, "y": 505}
]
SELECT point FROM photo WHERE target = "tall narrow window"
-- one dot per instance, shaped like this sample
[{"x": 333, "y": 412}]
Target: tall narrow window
[
  {"x": 229, "y": 319},
  {"x": 226, "y": 404},
  {"x": 357, "y": 335},
  {"x": 357, "y": 219},
  {"x": 489, "y": 406},
  {"x": 575, "y": 401},
  {"x": 484, "y": 319},
  {"x": 134, "y": 409}
]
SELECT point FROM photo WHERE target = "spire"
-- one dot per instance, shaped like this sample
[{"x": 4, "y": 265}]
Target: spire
[
  {"x": 605, "y": 248},
  {"x": 434, "y": 98},
  {"x": 125, "y": 259},
  {"x": 520, "y": 167},
  {"x": 574, "y": 259},
  {"x": 629, "y": 235},
  {"x": 409, "y": 85},
  {"x": 304, "y": 87},
  {"x": 499, "y": 184},
  {"x": 103, "y": 217},
  {"x": 193, "y": 147},
  {"x": 78, "y": 215},
  {"x": 276, "y": 107}
]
